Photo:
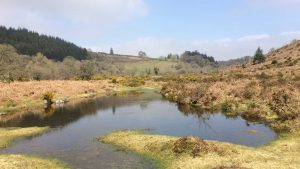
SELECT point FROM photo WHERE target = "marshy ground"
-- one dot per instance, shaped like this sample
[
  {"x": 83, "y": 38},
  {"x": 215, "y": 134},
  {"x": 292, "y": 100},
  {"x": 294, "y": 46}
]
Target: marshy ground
[
  {"x": 16, "y": 161},
  {"x": 190, "y": 152}
]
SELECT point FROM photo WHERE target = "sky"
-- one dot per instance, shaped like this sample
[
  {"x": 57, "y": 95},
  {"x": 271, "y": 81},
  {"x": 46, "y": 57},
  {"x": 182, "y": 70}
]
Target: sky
[{"x": 223, "y": 29}]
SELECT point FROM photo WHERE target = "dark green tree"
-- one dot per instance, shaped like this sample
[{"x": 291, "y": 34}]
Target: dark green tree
[
  {"x": 142, "y": 54},
  {"x": 30, "y": 43},
  {"x": 259, "y": 57}
]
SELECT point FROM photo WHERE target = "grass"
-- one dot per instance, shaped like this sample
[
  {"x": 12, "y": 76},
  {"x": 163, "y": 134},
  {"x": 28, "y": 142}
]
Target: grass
[
  {"x": 281, "y": 153},
  {"x": 18, "y": 96},
  {"x": 8, "y": 135},
  {"x": 15, "y": 161},
  {"x": 29, "y": 162},
  {"x": 140, "y": 67}
]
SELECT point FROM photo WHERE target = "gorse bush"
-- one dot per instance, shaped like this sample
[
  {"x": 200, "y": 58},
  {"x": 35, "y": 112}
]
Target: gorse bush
[
  {"x": 131, "y": 81},
  {"x": 48, "y": 97}
]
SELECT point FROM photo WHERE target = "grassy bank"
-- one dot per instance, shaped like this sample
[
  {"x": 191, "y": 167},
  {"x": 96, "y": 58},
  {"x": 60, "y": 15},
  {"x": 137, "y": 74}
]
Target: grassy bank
[
  {"x": 29, "y": 162},
  {"x": 191, "y": 152},
  {"x": 15, "y": 161},
  {"x": 8, "y": 135},
  {"x": 17, "y": 96}
]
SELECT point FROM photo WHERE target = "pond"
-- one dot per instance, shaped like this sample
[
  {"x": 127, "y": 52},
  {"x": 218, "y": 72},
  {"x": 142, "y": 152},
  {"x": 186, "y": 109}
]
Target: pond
[{"x": 75, "y": 127}]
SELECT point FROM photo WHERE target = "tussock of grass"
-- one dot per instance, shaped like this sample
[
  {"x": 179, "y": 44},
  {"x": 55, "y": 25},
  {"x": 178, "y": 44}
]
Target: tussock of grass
[
  {"x": 8, "y": 135},
  {"x": 28, "y": 162},
  {"x": 282, "y": 153}
]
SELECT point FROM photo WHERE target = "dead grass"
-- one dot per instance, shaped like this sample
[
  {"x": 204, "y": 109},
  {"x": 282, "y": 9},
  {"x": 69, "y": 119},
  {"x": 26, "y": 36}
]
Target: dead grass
[
  {"x": 282, "y": 153},
  {"x": 21, "y": 95}
]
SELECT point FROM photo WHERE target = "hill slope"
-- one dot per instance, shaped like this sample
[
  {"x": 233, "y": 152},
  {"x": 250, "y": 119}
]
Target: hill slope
[{"x": 30, "y": 43}]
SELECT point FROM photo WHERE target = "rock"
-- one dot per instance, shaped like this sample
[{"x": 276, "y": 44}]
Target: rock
[
  {"x": 45, "y": 101},
  {"x": 2, "y": 113},
  {"x": 59, "y": 102}
]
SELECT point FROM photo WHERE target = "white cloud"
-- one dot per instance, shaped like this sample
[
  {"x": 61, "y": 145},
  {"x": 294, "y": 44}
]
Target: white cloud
[
  {"x": 253, "y": 38},
  {"x": 67, "y": 18},
  {"x": 221, "y": 49}
]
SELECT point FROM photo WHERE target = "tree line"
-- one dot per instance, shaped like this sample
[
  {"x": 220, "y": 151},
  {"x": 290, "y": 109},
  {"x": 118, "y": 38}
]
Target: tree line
[{"x": 30, "y": 43}]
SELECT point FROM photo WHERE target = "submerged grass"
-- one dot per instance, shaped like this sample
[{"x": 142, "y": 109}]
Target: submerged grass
[
  {"x": 281, "y": 153},
  {"x": 15, "y": 161}
]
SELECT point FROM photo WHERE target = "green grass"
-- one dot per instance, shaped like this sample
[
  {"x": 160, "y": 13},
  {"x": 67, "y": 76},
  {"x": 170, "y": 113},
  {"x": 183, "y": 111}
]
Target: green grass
[
  {"x": 140, "y": 67},
  {"x": 8, "y": 135},
  {"x": 14, "y": 161},
  {"x": 281, "y": 153}
]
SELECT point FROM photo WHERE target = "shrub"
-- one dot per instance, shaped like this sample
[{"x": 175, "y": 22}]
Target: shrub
[
  {"x": 250, "y": 90},
  {"x": 274, "y": 62},
  {"x": 256, "y": 111},
  {"x": 259, "y": 57},
  {"x": 114, "y": 81},
  {"x": 194, "y": 146},
  {"x": 230, "y": 107},
  {"x": 284, "y": 105},
  {"x": 134, "y": 82},
  {"x": 156, "y": 70},
  {"x": 48, "y": 97}
]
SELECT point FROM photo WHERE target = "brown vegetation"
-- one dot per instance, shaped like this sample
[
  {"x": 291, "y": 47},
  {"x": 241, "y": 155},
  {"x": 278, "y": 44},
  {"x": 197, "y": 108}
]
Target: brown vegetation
[
  {"x": 268, "y": 92},
  {"x": 24, "y": 95}
]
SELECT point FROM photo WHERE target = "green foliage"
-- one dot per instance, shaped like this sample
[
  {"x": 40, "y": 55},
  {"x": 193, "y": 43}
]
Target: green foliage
[
  {"x": 201, "y": 60},
  {"x": 29, "y": 43},
  {"x": 259, "y": 57}
]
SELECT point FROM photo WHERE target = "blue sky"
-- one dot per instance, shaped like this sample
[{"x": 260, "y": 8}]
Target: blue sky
[{"x": 224, "y": 29}]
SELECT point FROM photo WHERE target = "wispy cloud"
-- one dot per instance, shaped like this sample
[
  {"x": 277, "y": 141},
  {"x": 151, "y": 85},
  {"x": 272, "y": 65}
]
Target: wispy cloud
[{"x": 221, "y": 49}]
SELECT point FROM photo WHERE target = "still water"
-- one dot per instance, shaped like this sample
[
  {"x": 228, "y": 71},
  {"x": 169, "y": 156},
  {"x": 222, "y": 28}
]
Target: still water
[{"x": 75, "y": 127}]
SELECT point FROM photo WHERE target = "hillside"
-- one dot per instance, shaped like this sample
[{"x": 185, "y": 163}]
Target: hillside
[
  {"x": 284, "y": 60},
  {"x": 268, "y": 92},
  {"x": 30, "y": 43}
]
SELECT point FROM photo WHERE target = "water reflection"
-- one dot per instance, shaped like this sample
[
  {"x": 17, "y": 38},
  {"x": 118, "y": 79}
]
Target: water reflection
[
  {"x": 80, "y": 123},
  {"x": 63, "y": 115}
]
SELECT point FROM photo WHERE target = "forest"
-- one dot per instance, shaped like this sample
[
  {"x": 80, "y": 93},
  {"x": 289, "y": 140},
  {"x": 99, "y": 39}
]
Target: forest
[{"x": 30, "y": 43}]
